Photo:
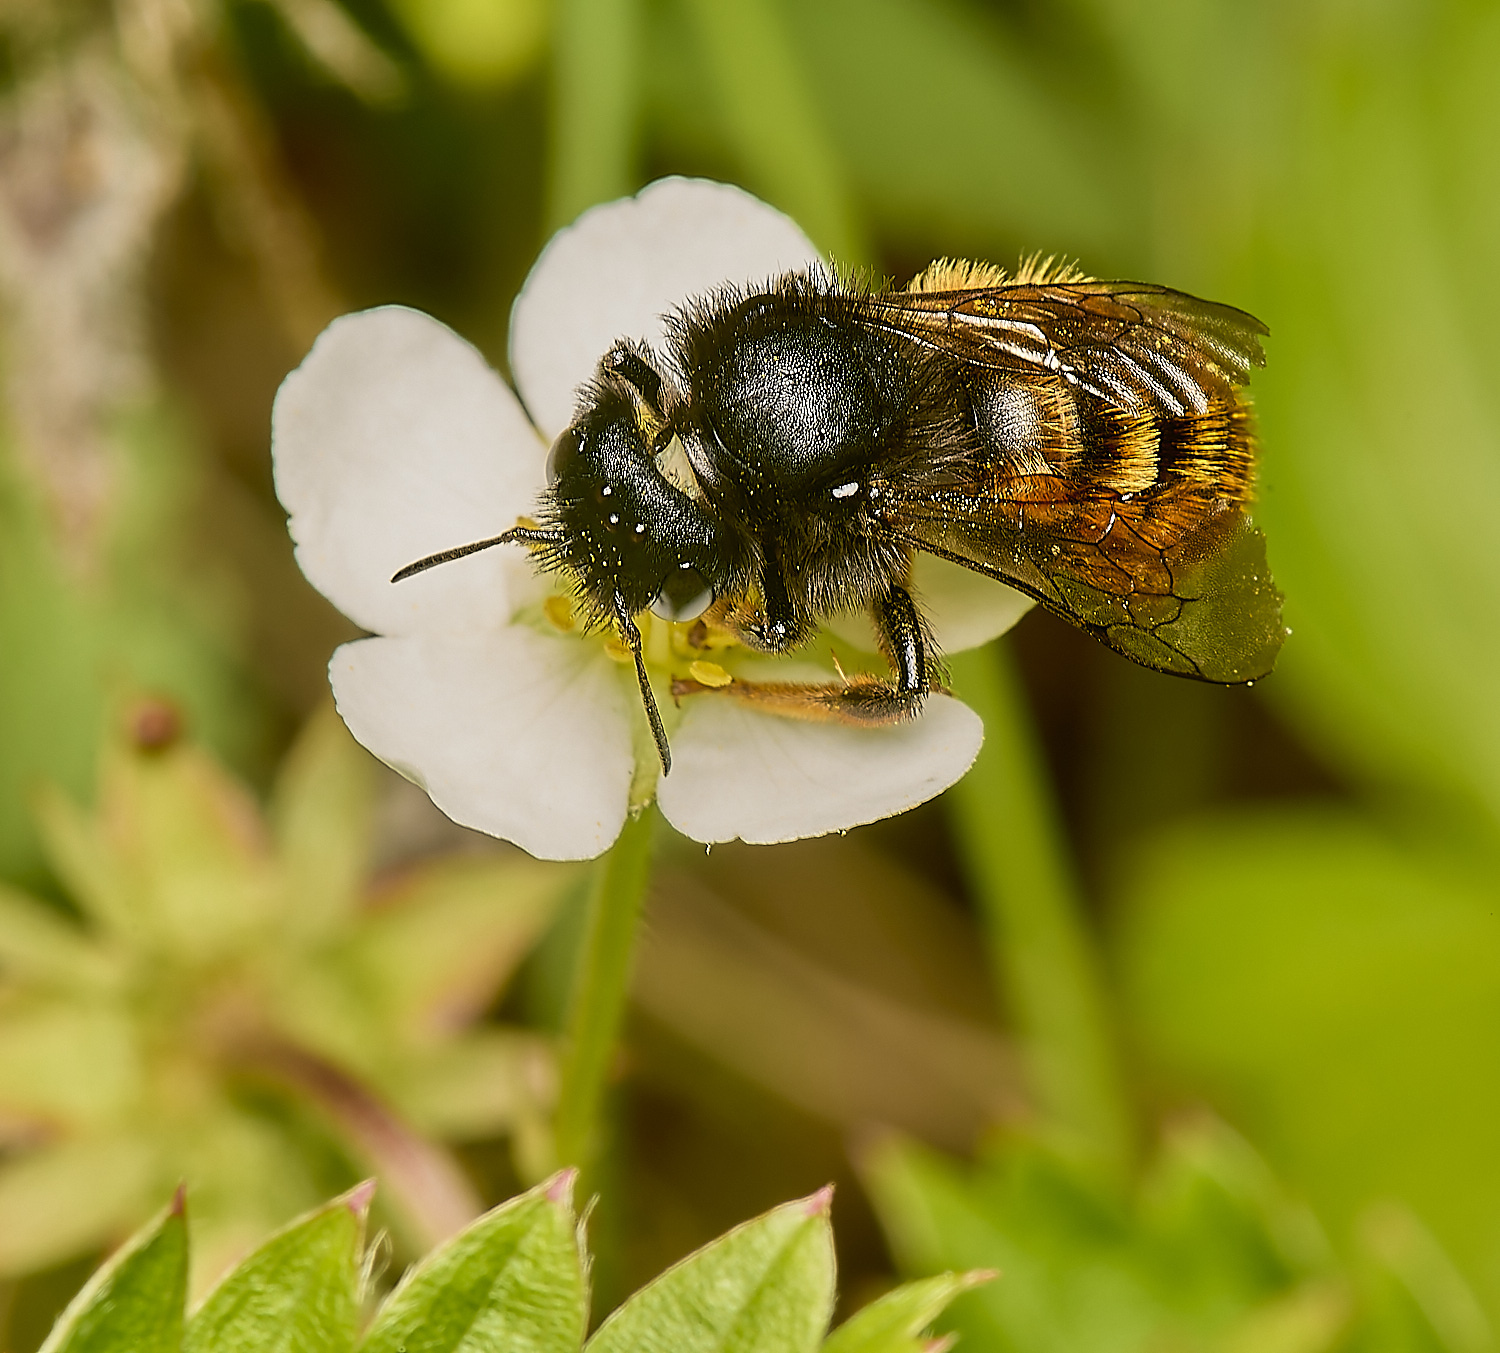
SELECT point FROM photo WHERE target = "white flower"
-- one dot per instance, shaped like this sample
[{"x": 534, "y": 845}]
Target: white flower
[{"x": 393, "y": 440}]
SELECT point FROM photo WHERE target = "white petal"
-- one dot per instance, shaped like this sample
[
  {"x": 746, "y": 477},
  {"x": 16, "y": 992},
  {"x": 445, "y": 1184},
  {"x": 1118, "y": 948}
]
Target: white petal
[
  {"x": 393, "y": 440},
  {"x": 515, "y": 734},
  {"x": 964, "y": 608},
  {"x": 740, "y": 773},
  {"x": 619, "y": 267}
]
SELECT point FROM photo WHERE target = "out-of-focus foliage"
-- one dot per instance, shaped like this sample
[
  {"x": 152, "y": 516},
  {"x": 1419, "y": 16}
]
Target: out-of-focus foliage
[
  {"x": 1321, "y": 969},
  {"x": 516, "y": 1278},
  {"x": 234, "y": 1007},
  {"x": 1207, "y": 1252},
  {"x": 1339, "y": 987}
]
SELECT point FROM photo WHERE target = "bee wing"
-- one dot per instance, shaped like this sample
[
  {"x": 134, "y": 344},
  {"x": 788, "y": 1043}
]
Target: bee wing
[
  {"x": 1178, "y": 583},
  {"x": 1136, "y": 346}
]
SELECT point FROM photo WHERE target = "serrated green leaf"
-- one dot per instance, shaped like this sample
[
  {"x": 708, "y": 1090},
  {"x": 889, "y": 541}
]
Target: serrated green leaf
[
  {"x": 514, "y": 1280},
  {"x": 298, "y": 1293},
  {"x": 765, "y": 1287},
  {"x": 1086, "y": 1270},
  {"x": 895, "y": 1322},
  {"x": 135, "y": 1302}
]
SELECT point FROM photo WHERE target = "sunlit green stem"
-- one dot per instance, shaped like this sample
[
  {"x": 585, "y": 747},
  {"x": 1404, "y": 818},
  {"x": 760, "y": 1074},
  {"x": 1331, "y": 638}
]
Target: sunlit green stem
[
  {"x": 595, "y": 124},
  {"x": 600, "y": 986},
  {"x": 1017, "y": 863}
]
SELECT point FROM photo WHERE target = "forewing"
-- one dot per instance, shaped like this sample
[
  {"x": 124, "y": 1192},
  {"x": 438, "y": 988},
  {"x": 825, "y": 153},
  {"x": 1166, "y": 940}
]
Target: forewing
[
  {"x": 1136, "y": 346},
  {"x": 1197, "y": 602}
]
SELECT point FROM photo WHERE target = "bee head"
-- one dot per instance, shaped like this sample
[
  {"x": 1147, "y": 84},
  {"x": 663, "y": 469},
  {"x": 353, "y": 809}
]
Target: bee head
[{"x": 628, "y": 534}]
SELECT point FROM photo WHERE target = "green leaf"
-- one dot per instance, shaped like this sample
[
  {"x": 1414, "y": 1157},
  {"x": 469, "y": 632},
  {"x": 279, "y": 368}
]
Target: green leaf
[
  {"x": 134, "y": 1303},
  {"x": 1340, "y": 987},
  {"x": 1209, "y": 1243},
  {"x": 477, "y": 1085},
  {"x": 297, "y": 1293},
  {"x": 895, "y": 1322},
  {"x": 36, "y": 942},
  {"x": 451, "y": 934},
  {"x": 513, "y": 1280},
  {"x": 765, "y": 1287},
  {"x": 68, "y": 1061},
  {"x": 194, "y": 850},
  {"x": 63, "y": 1200},
  {"x": 1387, "y": 571},
  {"x": 321, "y": 817},
  {"x": 92, "y": 872}
]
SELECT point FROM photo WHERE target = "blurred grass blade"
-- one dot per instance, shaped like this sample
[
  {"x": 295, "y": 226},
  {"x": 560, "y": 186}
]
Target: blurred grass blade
[
  {"x": 895, "y": 1323},
  {"x": 765, "y": 1287},
  {"x": 595, "y": 105},
  {"x": 942, "y": 126},
  {"x": 300, "y": 1290},
  {"x": 1342, "y": 986},
  {"x": 135, "y": 1302},
  {"x": 775, "y": 124},
  {"x": 1018, "y": 864},
  {"x": 515, "y": 1279},
  {"x": 344, "y": 49}
]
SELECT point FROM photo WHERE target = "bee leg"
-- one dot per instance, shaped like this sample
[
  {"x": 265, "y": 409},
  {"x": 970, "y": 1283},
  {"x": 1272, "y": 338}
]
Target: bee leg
[
  {"x": 630, "y": 635},
  {"x": 858, "y": 700}
]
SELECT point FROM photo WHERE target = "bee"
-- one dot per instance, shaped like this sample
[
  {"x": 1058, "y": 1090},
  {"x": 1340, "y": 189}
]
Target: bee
[{"x": 794, "y": 447}]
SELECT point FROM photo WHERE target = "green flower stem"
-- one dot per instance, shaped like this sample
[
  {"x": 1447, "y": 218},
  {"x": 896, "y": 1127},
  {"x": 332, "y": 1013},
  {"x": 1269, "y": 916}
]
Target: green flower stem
[
  {"x": 1017, "y": 863},
  {"x": 595, "y": 122},
  {"x": 600, "y": 986}
]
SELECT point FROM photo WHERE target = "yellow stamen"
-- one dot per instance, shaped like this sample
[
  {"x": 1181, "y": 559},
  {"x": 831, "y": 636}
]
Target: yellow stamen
[
  {"x": 709, "y": 674},
  {"x": 559, "y": 610},
  {"x": 618, "y": 651}
]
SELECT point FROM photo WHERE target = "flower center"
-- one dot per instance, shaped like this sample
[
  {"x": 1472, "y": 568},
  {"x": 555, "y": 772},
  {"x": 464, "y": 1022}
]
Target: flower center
[{"x": 670, "y": 648}]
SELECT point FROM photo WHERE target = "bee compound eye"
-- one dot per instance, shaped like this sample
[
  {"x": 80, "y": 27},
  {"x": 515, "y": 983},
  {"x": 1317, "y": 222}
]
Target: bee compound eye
[
  {"x": 684, "y": 596},
  {"x": 563, "y": 455}
]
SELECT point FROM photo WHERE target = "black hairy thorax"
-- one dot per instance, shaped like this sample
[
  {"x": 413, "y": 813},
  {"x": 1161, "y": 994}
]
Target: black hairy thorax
[{"x": 805, "y": 428}]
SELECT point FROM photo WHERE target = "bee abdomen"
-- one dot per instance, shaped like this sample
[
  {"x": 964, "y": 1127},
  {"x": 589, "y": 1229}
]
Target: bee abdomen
[{"x": 1131, "y": 453}]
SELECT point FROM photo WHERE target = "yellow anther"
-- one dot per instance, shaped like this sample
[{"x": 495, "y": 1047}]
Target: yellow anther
[
  {"x": 528, "y": 523},
  {"x": 618, "y": 651},
  {"x": 709, "y": 674},
  {"x": 559, "y": 610}
]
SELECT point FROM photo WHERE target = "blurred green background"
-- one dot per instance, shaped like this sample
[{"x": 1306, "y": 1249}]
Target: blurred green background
[{"x": 1290, "y": 894}]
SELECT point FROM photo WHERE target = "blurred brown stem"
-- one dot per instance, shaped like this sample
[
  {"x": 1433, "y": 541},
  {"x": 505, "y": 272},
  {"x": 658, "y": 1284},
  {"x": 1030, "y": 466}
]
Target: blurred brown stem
[{"x": 422, "y": 1178}]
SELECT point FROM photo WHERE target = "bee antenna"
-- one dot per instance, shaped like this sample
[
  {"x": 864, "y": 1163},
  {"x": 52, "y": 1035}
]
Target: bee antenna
[
  {"x": 522, "y": 534},
  {"x": 632, "y": 636}
]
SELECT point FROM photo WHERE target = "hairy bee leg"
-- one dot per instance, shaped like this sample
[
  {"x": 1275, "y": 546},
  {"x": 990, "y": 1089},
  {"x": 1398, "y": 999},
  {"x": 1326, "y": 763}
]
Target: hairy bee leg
[
  {"x": 860, "y": 700},
  {"x": 630, "y": 635}
]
